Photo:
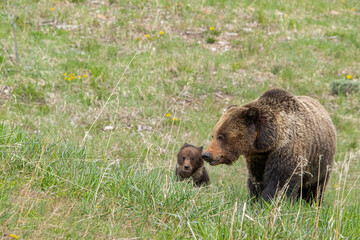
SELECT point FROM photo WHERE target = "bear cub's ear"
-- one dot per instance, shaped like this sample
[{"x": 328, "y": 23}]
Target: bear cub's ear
[
  {"x": 185, "y": 145},
  {"x": 252, "y": 114},
  {"x": 200, "y": 148}
]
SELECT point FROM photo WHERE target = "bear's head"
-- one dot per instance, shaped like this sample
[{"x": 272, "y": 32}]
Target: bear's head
[
  {"x": 240, "y": 131},
  {"x": 189, "y": 159}
]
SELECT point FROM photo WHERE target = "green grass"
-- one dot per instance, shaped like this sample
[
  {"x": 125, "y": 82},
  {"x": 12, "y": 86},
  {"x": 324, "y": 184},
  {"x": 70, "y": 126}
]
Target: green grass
[
  {"x": 51, "y": 188},
  {"x": 56, "y": 182}
]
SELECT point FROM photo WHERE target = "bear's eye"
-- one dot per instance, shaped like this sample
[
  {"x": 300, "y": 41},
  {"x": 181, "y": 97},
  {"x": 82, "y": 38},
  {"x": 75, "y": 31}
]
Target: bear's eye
[
  {"x": 183, "y": 158},
  {"x": 192, "y": 159},
  {"x": 212, "y": 136},
  {"x": 221, "y": 137}
]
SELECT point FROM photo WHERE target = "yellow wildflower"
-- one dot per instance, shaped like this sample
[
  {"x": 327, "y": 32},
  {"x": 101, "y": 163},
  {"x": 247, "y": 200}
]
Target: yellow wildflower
[
  {"x": 335, "y": 186},
  {"x": 69, "y": 74},
  {"x": 352, "y": 9},
  {"x": 14, "y": 236},
  {"x": 52, "y": 9},
  {"x": 85, "y": 75},
  {"x": 79, "y": 77},
  {"x": 348, "y": 76},
  {"x": 161, "y": 32},
  {"x": 73, "y": 74},
  {"x": 286, "y": 15},
  {"x": 64, "y": 74},
  {"x": 168, "y": 115},
  {"x": 212, "y": 28},
  {"x": 147, "y": 35},
  {"x": 342, "y": 0},
  {"x": 175, "y": 119}
]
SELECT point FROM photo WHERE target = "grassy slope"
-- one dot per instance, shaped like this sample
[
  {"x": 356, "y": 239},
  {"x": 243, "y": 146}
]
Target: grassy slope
[
  {"x": 121, "y": 184},
  {"x": 54, "y": 189}
]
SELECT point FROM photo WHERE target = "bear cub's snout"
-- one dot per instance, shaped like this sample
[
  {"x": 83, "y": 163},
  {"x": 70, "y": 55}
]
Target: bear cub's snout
[{"x": 191, "y": 164}]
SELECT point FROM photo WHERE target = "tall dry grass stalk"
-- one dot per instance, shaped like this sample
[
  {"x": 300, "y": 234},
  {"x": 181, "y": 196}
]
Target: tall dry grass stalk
[{"x": 232, "y": 219}]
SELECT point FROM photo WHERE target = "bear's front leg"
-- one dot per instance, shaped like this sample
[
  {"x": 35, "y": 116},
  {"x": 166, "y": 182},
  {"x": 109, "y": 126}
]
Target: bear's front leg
[
  {"x": 254, "y": 187},
  {"x": 179, "y": 173},
  {"x": 256, "y": 167},
  {"x": 201, "y": 178},
  {"x": 281, "y": 177},
  {"x": 274, "y": 187}
]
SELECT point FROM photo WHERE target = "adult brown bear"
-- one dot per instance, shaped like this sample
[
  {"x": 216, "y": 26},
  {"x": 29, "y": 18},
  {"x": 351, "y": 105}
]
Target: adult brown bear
[{"x": 288, "y": 141}]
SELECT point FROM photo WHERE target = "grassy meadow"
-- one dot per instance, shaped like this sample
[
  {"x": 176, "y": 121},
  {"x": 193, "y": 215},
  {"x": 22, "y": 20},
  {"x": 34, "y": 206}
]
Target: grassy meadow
[{"x": 104, "y": 93}]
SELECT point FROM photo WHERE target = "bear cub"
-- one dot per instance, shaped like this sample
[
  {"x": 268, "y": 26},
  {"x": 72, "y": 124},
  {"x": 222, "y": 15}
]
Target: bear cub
[{"x": 190, "y": 164}]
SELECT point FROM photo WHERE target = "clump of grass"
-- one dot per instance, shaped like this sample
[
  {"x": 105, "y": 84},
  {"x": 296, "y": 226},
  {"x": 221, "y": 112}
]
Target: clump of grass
[
  {"x": 276, "y": 69},
  {"x": 210, "y": 36},
  {"x": 215, "y": 33},
  {"x": 262, "y": 18},
  {"x": 293, "y": 24},
  {"x": 239, "y": 65},
  {"x": 210, "y": 40},
  {"x": 344, "y": 86}
]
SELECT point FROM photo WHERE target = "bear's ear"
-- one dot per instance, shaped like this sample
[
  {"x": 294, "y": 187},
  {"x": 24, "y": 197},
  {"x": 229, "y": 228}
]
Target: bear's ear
[
  {"x": 200, "y": 148},
  {"x": 231, "y": 106},
  {"x": 252, "y": 114}
]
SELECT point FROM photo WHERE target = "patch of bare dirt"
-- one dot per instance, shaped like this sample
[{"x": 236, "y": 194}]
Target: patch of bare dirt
[{"x": 5, "y": 92}]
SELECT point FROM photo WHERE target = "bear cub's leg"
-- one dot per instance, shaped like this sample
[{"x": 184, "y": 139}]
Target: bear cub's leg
[{"x": 201, "y": 177}]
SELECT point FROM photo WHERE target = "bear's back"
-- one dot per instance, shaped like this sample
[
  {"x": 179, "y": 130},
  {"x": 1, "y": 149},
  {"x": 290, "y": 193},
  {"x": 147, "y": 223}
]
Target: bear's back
[
  {"x": 318, "y": 125},
  {"x": 303, "y": 123}
]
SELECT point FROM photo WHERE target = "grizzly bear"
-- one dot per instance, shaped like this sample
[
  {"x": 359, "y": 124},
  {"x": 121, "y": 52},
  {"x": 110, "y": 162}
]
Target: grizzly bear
[
  {"x": 190, "y": 164},
  {"x": 288, "y": 141}
]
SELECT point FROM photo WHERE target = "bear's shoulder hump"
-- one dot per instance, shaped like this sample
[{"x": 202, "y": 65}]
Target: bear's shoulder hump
[{"x": 276, "y": 93}]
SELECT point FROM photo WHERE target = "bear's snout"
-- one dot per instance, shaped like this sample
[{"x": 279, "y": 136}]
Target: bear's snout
[
  {"x": 213, "y": 161},
  {"x": 207, "y": 156}
]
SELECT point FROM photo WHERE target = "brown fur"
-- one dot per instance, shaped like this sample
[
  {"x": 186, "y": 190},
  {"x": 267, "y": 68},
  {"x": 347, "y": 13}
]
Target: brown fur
[
  {"x": 289, "y": 143},
  {"x": 190, "y": 156}
]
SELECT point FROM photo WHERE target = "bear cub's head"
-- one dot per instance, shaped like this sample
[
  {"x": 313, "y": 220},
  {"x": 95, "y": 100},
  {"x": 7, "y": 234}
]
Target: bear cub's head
[
  {"x": 189, "y": 160},
  {"x": 191, "y": 164}
]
